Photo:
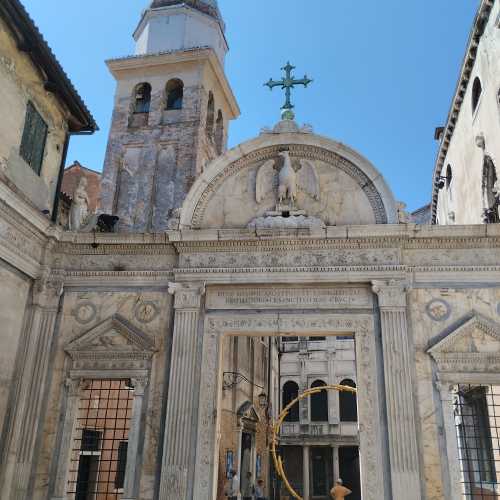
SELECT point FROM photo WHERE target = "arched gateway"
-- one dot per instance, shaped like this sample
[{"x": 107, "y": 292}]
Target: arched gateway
[{"x": 258, "y": 260}]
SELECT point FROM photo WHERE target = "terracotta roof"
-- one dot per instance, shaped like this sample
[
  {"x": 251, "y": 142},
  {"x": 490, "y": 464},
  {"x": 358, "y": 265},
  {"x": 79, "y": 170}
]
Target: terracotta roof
[
  {"x": 480, "y": 22},
  {"x": 30, "y": 40},
  {"x": 71, "y": 178}
]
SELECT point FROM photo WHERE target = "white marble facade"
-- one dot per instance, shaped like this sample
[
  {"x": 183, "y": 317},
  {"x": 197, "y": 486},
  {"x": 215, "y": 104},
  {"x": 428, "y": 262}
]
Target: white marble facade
[
  {"x": 154, "y": 308},
  {"x": 333, "y": 258}
]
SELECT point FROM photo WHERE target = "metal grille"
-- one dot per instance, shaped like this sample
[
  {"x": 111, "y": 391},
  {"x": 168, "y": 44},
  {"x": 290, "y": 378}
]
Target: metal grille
[
  {"x": 477, "y": 419},
  {"x": 98, "y": 457}
]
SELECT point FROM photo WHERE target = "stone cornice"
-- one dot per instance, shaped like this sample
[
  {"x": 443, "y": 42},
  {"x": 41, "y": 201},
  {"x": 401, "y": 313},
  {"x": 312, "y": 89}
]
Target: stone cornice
[{"x": 480, "y": 22}]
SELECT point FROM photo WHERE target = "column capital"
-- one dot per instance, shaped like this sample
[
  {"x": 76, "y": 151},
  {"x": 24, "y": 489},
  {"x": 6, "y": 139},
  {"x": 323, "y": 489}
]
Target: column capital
[
  {"x": 139, "y": 384},
  {"x": 74, "y": 386},
  {"x": 46, "y": 293},
  {"x": 187, "y": 295},
  {"x": 391, "y": 293}
]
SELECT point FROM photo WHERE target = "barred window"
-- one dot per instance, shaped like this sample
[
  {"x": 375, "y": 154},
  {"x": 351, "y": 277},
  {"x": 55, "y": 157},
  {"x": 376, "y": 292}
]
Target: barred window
[
  {"x": 477, "y": 418},
  {"x": 34, "y": 138}
]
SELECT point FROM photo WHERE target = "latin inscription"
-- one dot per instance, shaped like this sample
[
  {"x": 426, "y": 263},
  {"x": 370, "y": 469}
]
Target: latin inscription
[{"x": 279, "y": 297}]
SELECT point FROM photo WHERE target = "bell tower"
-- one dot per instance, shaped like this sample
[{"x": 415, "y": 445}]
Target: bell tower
[{"x": 172, "y": 108}]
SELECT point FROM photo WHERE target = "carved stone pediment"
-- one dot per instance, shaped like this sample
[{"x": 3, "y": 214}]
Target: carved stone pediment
[
  {"x": 114, "y": 338},
  {"x": 247, "y": 413},
  {"x": 474, "y": 346}
]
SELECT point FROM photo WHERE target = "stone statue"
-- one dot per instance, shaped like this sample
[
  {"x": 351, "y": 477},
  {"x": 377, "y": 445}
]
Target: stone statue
[
  {"x": 287, "y": 188},
  {"x": 80, "y": 206},
  {"x": 403, "y": 216},
  {"x": 289, "y": 180}
]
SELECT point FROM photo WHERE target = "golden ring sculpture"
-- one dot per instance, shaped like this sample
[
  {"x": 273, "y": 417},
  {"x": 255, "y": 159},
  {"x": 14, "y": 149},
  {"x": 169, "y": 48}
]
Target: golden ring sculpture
[{"x": 278, "y": 461}]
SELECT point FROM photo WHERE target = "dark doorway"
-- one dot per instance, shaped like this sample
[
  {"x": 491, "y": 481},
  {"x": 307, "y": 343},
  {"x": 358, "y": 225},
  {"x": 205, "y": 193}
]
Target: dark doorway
[
  {"x": 246, "y": 460},
  {"x": 349, "y": 470},
  {"x": 321, "y": 472},
  {"x": 319, "y": 403},
  {"x": 290, "y": 392},
  {"x": 292, "y": 458}
]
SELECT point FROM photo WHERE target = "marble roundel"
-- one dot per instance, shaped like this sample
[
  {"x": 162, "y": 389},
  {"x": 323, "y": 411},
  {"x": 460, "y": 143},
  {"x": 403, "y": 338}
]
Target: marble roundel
[
  {"x": 438, "y": 310},
  {"x": 85, "y": 312},
  {"x": 146, "y": 311}
]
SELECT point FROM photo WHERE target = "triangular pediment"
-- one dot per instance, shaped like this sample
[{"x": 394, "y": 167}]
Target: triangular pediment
[
  {"x": 247, "y": 412},
  {"x": 114, "y": 335},
  {"x": 474, "y": 345}
]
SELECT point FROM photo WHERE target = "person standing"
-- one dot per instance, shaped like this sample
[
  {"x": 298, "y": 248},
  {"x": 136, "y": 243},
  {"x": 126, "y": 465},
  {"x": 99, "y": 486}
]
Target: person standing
[
  {"x": 339, "y": 492},
  {"x": 248, "y": 488},
  {"x": 234, "y": 486},
  {"x": 259, "y": 490}
]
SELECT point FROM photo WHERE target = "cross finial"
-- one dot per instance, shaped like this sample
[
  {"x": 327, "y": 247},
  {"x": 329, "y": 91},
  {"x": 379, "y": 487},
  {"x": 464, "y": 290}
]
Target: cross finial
[{"x": 287, "y": 83}]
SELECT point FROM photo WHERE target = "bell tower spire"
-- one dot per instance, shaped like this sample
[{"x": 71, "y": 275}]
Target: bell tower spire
[
  {"x": 173, "y": 105},
  {"x": 179, "y": 25}
]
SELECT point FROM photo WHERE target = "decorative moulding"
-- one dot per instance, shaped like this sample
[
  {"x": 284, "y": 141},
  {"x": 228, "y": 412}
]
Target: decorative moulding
[
  {"x": 113, "y": 339},
  {"x": 474, "y": 346}
]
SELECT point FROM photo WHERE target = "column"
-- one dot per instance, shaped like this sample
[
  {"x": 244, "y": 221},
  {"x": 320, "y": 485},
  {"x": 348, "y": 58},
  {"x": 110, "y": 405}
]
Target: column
[
  {"x": 336, "y": 464},
  {"x": 180, "y": 425},
  {"x": 73, "y": 387},
  {"x": 398, "y": 363},
  {"x": 130, "y": 486},
  {"x": 305, "y": 472},
  {"x": 33, "y": 386}
]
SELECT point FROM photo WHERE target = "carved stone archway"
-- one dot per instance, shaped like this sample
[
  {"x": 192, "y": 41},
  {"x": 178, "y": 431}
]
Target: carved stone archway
[{"x": 218, "y": 325}]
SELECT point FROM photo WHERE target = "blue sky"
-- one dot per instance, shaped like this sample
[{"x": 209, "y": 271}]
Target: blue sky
[{"x": 384, "y": 70}]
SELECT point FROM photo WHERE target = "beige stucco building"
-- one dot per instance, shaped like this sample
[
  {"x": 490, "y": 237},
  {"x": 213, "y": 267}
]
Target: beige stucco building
[
  {"x": 116, "y": 347},
  {"x": 466, "y": 189}
]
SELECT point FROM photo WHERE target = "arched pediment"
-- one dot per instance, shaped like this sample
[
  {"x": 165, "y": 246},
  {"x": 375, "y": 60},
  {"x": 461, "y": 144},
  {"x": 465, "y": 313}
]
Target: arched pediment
[
  {"x": 334, "y": 185},
  {"x": 473, "y": 346}
]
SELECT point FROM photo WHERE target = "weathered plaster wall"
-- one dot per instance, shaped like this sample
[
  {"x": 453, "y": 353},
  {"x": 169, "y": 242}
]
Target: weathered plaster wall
[
  {"x": 149, "y": 169},
  {"x": 21, "y": 82},
  {"x": 464, "y": 197},
  {"x": 14, "y": 290}
]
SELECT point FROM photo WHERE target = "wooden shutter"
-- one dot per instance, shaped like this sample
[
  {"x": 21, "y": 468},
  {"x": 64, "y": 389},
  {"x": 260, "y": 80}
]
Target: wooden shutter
[{"x": 34, "y": 139}]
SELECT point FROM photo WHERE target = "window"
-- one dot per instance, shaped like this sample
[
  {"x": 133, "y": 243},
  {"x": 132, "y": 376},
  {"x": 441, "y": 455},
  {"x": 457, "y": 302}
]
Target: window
[
  {"x": 219, "y": 132},
  {"x": 290, "y": 392},
  {"x": 347, "y": 403},
  {"x": 449, "y": 176},
  {"x": 475, "y": 409},
  {"x": 289, "y": 339},
  {"x": 476, "y": 93},
  {"x": 319, "y": 403},
  {"x": 491, "y": 192},
  {"x": 99, "y": 451},
  {"x": 210, "y": 115},
  {"x": 122, "y": 465},
  {"x": 142, "y": 98},
  {"x": 34, "y": 138},
  {"x": 175, "y": 94}
]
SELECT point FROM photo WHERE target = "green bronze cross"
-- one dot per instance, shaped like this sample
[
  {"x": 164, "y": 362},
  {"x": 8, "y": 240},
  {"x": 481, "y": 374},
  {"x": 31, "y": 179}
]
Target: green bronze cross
[{"x": 287, "y": 84}]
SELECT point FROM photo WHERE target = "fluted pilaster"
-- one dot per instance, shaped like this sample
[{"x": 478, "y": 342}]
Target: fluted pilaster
[
  {"x": 398, "y": 363},
  {"x": 180, "y": 438},
  {"x": 29, "y": 402}
]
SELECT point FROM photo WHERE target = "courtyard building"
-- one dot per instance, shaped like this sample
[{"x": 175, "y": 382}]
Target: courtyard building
[{"x": 148, "y": 357}]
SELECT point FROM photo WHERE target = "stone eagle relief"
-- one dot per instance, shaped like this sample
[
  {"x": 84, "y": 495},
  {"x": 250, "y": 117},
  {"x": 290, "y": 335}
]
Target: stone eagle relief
[
  {"x": 285, "y": 182},
  {"x": 288, "y": 180}
]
